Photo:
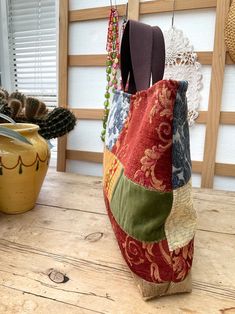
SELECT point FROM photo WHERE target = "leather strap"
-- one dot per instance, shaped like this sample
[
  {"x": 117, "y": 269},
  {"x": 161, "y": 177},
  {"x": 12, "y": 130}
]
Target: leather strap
[
  {"x": 158, "y": 55},
  {"x": 142, "y": 53}
]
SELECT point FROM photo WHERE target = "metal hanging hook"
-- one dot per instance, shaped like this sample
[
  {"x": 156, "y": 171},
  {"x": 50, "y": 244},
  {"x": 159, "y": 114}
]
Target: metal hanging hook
[
  {"x": 111, "y": 4},
  {"x": 126, "y": 14},
  {"x": 173, "y": 14}
]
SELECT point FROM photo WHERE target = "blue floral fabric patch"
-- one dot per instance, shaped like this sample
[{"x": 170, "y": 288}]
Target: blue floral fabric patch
[
  {"x": 117, "y": 116},
  {"x": 181, "y": 160}
]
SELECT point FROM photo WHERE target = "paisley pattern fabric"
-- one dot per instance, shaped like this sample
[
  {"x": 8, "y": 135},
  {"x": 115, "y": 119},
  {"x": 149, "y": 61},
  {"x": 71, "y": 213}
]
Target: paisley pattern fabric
[
  {"x": 147, "y": 187},
  {"x": 117, "y": 116},
  {"x": 144, "y": 146},
  {"x": 181, "y": 160}
]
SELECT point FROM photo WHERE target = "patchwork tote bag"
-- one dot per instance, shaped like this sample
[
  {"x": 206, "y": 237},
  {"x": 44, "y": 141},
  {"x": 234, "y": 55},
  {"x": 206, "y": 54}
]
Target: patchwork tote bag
[{"x": 147, "y": 168}]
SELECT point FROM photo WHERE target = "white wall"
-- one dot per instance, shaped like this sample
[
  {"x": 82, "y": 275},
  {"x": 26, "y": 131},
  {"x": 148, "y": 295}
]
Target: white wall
[{"x": 87, "y": 85}]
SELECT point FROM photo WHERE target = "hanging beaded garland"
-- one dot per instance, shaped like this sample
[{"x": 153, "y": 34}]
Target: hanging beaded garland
[{"x": 112, "y": 63}]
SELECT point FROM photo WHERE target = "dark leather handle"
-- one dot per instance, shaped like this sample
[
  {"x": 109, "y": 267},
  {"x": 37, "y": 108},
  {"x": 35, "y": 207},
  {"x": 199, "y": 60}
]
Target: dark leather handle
[
  {"x": 142, "y": 53},
  {"x": 158, "y": 55}
]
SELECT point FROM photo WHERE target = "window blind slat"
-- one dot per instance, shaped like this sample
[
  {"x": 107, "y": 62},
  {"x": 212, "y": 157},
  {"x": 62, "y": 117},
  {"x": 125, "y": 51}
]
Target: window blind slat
[
  {"x": 24, "y": 5},
  {"x": 30, "y": 53},
  {"x": 32, "y": 43},
  {"x": 30, "y": 13}
]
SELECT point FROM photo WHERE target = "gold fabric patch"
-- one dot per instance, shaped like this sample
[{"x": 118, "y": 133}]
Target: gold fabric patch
[
  {"x": 180, "y": 225},
  {"x": 111, "y": 173}
]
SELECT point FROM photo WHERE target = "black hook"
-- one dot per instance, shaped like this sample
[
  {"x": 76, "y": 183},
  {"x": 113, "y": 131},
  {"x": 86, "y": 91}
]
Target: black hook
[{"x": 173, "y": 14}]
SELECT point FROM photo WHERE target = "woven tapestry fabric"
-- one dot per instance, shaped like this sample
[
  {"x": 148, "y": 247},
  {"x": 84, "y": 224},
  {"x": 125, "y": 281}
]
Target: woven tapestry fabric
[{"x": 147, "y": 186}]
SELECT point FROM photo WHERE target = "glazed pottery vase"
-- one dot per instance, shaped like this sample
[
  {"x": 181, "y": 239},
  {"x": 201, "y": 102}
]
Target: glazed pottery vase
[{"x": 22, "y": 169}]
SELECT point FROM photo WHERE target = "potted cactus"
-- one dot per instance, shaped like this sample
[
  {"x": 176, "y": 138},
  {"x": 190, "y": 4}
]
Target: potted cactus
[
  {"x": 24, "y": 151},
  {"x": 24, "y": 109}
]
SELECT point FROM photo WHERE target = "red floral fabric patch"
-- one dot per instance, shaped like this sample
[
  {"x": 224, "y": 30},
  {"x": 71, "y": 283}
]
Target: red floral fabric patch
[{"x": 144, "y": 146}]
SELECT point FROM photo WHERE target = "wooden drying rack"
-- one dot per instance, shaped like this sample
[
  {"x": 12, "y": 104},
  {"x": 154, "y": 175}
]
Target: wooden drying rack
[{"x": 216, "y": 58}]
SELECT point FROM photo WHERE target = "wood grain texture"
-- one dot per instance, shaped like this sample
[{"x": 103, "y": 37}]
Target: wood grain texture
[
  {"x": 87, "y": 60},
  {"x": 221, "y": 169},
  {"x": 204, "y": 57},
  {"x": 88, "y": 114},
  {"x": 226, "y": 117},
  {"x": 149, "y": 7},
  {"x": 133, "y": 10},
  {"x": 94, "y": 13},
  {"x": 63, "y": 76},
  {"x": 84, "y": 155},
  {"x": 216, "y": 88},
  {"x": 160, "y": 6},
  {"x": 73, "y": 235}
]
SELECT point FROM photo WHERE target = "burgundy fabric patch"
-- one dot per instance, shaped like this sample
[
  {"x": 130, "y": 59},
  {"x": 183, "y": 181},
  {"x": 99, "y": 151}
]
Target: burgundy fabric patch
[{"x": 144, "y": 146}]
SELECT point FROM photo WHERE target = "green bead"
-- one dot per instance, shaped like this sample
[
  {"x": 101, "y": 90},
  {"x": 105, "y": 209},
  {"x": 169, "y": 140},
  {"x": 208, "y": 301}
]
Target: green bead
[
  {"x": 104, "y": 125},
  {"x": 114, "y": 81},
  {"x": 107, "y": 87},
  {"x": 103, "y": 132},
  {"x": 107, "y": 95},
  {"x": 108, "y": 62},
  {"x": 108, "y": 70},
  {"x": 106, "y": 103},
  {"x": 114, "y": 54},
  {"x": 108, "y": 78}
]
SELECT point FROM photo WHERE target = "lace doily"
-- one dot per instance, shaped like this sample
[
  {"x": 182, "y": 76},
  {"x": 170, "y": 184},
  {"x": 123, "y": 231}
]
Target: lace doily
[{"x": 182, "y": 64}]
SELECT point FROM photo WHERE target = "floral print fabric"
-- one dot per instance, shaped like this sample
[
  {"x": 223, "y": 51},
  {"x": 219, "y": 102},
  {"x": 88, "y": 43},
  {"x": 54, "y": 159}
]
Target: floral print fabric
[
  {"x": 147, "y": 141},
  {"x": 144, "y": 146},
  {"x": 117, "y": 116},
  {"x": 181, "y": 160}
]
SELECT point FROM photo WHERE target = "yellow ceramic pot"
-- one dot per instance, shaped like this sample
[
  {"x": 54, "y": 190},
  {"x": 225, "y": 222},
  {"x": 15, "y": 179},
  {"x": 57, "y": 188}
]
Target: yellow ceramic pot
[{"x": 22, "y": 169}]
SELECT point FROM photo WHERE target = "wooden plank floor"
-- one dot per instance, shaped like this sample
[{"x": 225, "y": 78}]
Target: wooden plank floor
[{"x": 68, "y": 232}]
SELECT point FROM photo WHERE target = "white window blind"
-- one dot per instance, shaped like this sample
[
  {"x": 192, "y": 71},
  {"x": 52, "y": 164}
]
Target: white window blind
[{"x": 32, "y": 40}]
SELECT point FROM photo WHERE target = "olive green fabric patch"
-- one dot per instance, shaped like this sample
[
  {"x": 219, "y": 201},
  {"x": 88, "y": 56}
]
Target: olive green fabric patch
[{"x": 140, "y": 212}]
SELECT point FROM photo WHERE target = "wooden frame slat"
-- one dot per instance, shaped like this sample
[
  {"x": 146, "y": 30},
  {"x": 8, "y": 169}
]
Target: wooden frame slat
[
  {"x": 227, "y": 170},
  {"x": 87, "y": 60},
  {"x": 94, "y": 13},
  {"x": 161, "y": 6},
  {"x": 63, "y": 77},
  {"x": 216, "y": 88},
  {"x": 88, "y": 114},
  {"x": 221, "y": 169},
  {"x": 204, "y": 57},
  {"x": 149, "y": 7},
  {"x": 84, "y": 156},
  {"x": 226, "y": 117},
  {"x": 196, "y": 166},
  {"x": 133, "y": 9}
]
